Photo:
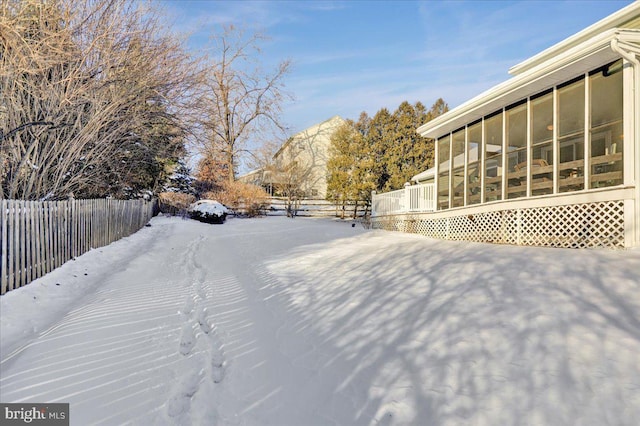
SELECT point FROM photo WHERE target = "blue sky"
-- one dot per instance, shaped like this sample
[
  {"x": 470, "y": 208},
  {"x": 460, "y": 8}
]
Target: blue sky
[{"x": 353, "y": 56}]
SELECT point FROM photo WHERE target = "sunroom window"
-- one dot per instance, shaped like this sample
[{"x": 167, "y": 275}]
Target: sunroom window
[
  {"x": 571, "y": 136},
  {"x": 443, "y": 172},
  {"x": 516, "y": 117},
  {"x": 606, "y": 133},
  {"x": 493, "y": 157},
  {"x": 474, "y": 143},
  {"x": 542, "y": 144},
  {"x": 457, "y": 174}
]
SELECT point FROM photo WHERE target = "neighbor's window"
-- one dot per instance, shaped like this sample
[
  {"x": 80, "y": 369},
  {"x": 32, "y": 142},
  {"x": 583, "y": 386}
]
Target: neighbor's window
[
  {"x": 606, "y": 132},
  {"x": 542, "y": 143},
  {"x": 516, "y": 117},
  {"x": 474, "y": 142},
  {"x": 457, "y": 174},
  {"x": 443, "y": 172},
  {"x": 571, "y": 136},
  {"x": 493, "y": 157}
]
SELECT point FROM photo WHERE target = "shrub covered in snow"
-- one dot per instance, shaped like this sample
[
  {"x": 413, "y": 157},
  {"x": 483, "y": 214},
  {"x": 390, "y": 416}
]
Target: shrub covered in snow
[{"x": 208, "y": 211}]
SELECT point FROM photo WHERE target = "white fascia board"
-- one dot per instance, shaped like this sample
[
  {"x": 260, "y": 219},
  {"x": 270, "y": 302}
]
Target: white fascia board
[
  {"x": 591, "y": 54},
  {"x": 249, "y": 173},
  {"x": 614, "y": 20},
  {"x": 427, "y": 174}
]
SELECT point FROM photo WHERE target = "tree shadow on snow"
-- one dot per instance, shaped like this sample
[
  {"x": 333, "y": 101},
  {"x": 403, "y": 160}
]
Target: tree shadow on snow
[{"x": 422, "y": 331}]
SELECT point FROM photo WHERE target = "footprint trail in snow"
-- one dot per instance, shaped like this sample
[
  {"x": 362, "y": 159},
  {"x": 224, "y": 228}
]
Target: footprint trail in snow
[{"x": 202, "y": 348}]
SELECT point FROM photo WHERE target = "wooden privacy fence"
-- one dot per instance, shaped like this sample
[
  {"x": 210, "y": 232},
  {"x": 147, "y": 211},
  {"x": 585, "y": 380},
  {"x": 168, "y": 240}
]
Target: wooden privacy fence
[{"x": 39, "y": 236}]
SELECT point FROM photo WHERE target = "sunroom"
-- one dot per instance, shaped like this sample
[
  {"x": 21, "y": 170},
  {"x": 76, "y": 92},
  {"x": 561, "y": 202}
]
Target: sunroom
[{"x": 549, "y": 157}]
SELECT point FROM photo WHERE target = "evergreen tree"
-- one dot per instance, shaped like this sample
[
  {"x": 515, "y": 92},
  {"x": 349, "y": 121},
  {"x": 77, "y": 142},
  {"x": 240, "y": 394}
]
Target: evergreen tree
[
  {"x": 439, "y": 107},
  {"x": 350, "y": 165},
  {"x": 380, "y": 139},
  {"x": 380, "y": 153},
  {"x": 410, "y": 153},
  {"x": 340, "y": 163},
  {"x": 181, "y": 179}
]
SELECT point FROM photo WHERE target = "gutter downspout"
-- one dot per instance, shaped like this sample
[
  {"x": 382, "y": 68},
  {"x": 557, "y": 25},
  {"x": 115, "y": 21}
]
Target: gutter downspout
[{"x": 633, "y": 59}]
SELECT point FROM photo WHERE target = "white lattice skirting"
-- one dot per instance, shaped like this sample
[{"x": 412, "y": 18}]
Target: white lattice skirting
[{"x": 598, "y": 224}]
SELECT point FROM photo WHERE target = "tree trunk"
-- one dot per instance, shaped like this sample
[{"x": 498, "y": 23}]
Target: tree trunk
[{"x": 231, "y": 175}]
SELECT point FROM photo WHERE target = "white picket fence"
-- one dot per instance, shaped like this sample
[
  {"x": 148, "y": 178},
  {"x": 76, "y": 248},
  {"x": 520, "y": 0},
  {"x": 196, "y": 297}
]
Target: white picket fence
[{"x": 39, "y": 236}]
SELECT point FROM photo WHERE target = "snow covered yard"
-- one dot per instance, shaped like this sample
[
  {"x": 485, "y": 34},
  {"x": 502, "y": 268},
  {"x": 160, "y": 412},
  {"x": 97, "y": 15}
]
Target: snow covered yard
[{"x": 313, "y": 322}]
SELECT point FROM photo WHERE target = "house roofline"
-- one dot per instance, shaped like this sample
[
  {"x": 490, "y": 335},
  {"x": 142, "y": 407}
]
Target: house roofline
[{"x": 302, "y": 132}]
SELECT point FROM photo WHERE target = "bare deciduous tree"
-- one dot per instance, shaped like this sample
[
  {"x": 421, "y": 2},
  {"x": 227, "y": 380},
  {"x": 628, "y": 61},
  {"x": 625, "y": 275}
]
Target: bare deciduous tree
[
  {"x": 288, "y": 183},
  {"x": 241, "y": 101},
  {"x": 92, "y": 93}
]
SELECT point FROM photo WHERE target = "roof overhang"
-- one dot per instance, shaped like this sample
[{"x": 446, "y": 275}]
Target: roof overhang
[
  {"x": 426, "y": 175},
  {"x": 586, "y": 56}
]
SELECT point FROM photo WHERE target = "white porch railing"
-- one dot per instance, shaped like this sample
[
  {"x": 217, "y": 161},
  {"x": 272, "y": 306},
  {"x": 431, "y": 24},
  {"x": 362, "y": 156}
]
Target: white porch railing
[{"x": 413, "y": 198}]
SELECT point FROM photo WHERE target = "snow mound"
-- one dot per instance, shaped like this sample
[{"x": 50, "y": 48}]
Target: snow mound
[{"x": 210, "y": 207}]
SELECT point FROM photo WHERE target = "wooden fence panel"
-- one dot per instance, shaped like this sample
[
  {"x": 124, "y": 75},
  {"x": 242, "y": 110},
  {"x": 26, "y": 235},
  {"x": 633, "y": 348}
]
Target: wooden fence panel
[{"x": 39, "y": 236}]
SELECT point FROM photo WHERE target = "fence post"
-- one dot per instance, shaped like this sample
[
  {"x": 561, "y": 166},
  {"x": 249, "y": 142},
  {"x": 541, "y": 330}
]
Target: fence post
[
  {"x": 37, "y": 207},
  {"x": 407, "y": 197},
  {"x": 4, "y": 205},
  {"x": 22, "y": 249},
  {"x": 28, "y": 220},
  {"x": 373, "y": 203},
  {"x": 11, "y": 246}
]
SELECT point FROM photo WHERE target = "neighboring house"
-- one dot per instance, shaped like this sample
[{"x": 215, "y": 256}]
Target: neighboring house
[
  {"x": 300, "y": 161},
  {"x": 306, "y": 154},
  {"x": 255, "y": 177},
  {"x": 550, "y": 157}
]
